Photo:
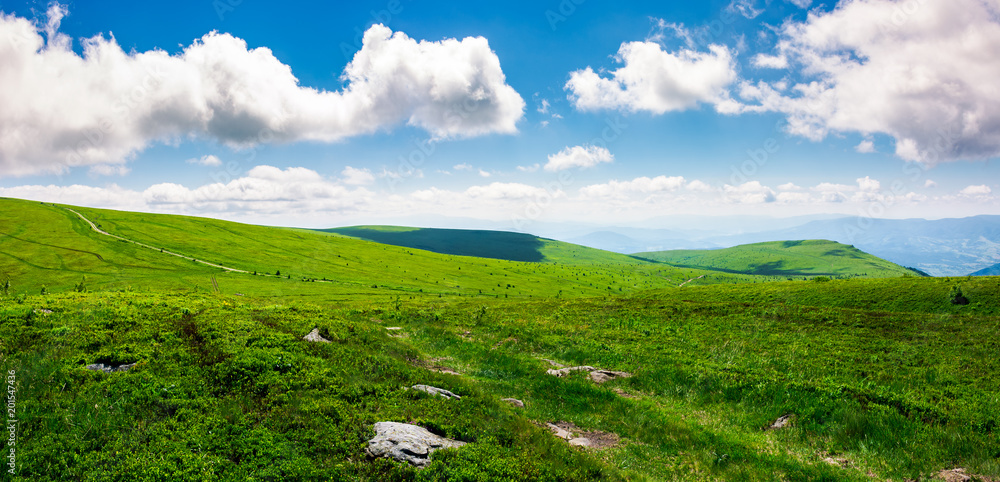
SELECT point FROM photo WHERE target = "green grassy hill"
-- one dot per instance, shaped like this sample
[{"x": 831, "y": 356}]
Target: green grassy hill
[
  {"x": 880, "y": 378},
  {"x": 49, "y": 245},
  {"x": 786, "y": 259},
  {"x": 485, "y": 244}
]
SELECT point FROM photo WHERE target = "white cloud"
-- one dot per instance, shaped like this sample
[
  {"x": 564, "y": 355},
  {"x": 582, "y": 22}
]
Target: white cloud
[
  {"x": 483, "y": 173},
  {"x": 981, "y": 190},
  {"x": 657, "y": 81},
  {"x": 745, "y": 8},
  {"x": 789, "y": 197},
  {"x": 915, "y": 71},
  {"x": 790, "y": 186},
  {"x": 766, "y": 61},
  {"x": 801, "y": 3},
  {"x": 929, "y": 184},
  {"x": 865, "y": 147},
  {"x": 867, "y": 184},
  {"x": 118, "y": 102},
  {"x": 752, "y": 192},
  {"x": 462, "y": 167},
  {"x": 109, "y": 170},
  {"x": 699, "y": 186},
  {"x": 544, "y": 107},
  {"x": 112, "y": 196},
  {"x": 209, "y": 160},
  {"x": 640, "y": 185},
  {"x": 578, "y": 156},
  {"x": 357, "y": 177},
  {"x": 531, "y": 168}
]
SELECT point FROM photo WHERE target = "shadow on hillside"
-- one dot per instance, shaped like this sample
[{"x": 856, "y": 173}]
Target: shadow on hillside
[{"x": 462, "y": 242}]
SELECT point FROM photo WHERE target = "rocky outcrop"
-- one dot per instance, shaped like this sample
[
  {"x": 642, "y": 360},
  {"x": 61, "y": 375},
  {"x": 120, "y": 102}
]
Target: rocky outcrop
[
  {"x": 314, "y": 337},
  {"x": 436, "y": 391},
  {"x": 100, "y": 367},
  {"x": 598, "y": 375},
  {"x": 407, "y": 443}
]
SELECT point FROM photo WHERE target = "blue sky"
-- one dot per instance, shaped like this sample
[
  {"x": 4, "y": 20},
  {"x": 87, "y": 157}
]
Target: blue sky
[{"x": 585, "y": 110}]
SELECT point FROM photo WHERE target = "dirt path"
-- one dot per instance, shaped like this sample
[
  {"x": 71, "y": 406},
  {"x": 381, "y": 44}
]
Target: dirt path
[
  {"x": 162, "y": 250},
  {"x": 690, "y": 280}
]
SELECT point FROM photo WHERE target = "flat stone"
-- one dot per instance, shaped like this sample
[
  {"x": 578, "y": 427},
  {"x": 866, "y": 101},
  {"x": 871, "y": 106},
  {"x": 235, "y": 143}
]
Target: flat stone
[
  {"x": 407, "y": 443},
  {"x": 314, "y": 337},
  {"x": 100, "y": 367},
  {"x": 782, "y": 422},
  {"x": 515, "y": 402},
  {"x": 597, "y": 375},
  {"x": 436, "y": 391},
  {"x": 580, "y": 442}
]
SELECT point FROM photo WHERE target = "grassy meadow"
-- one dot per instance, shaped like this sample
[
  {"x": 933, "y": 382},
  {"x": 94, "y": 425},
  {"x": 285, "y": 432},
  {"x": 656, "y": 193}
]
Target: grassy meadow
[{"x": 881, "y": 376}]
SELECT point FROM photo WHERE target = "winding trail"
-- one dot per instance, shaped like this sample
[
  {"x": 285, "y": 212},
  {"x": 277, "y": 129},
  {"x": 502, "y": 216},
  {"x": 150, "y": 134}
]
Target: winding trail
[
  {"x": 162, "y": 250},
  {"x": 690, "y": 280}
]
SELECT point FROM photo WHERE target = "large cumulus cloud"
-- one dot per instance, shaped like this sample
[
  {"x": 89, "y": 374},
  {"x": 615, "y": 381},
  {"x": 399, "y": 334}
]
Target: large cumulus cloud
[{"x": 63, "y": 109}]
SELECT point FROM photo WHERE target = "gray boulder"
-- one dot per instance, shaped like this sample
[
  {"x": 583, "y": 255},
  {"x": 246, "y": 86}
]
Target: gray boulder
[
  {"x": 597, "y": 375},
  {"x": 100, "y": 367},
  {"x": 436, "y": 391},
  {"x": 407, "y": 443},
  {"x": 314, "y": 337}
]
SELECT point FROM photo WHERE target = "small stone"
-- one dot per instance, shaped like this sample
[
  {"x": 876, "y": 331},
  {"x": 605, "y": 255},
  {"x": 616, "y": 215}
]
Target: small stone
[
  {"x": 436, "y": 391},
  {"x": 781, "y": 422},
  {"x": 393, "y": 328},
  {"x": 314, "y": 337},
  {"x": 407, "y": 443},
  {"x": 515, "y": 402},
  {"x": 559, "y": 431},
  {"x": 597, "y": 375},
  {"x": 100, "y": 367},
  {"x": 580, "y": 442}
]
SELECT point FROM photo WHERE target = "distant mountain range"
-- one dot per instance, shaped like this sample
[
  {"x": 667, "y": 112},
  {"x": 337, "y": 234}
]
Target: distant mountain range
[
  {"x": 944, "y": 247},
  {"x": 991, "y": 271}
]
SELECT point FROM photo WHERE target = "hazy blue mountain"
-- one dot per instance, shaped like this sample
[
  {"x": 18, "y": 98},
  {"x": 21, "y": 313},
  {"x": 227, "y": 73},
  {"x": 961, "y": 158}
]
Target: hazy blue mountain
[
  {"x": 944, "y": 247},
  {"x": 991, "y": 271}
]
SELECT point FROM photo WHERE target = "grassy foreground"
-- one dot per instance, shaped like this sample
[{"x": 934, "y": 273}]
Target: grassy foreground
[{"x": 880, "y": 378}]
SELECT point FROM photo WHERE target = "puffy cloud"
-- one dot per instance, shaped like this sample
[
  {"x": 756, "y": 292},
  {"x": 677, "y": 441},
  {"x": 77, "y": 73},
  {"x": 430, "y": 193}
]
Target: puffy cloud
[
  {"x": 766, "y": 61},
  {"x": 867, "y": 184},
  {"x": 752, "y": 192},
  {"x": 865, "y": 147},
  {"x": 657, "y": 81},
  {"x": 790, "y": 186},
  {"x": 209, "y": 160},
  {"x": 578, "y": 156},
  {"x": 981, "y": 190},
  {"x": 357, "y": 177},
  {"x": 699, "y": 186},
  {"x": 916, "y": 71},
  {"x": 111, "y": 196},
  {"x": 641, "y": 185},
  {"x": 462, "y": 167},
  {"x": 745, "y": 8},
  {"x": 118, "y": 102},
  {"x": 930, "y": 183}
]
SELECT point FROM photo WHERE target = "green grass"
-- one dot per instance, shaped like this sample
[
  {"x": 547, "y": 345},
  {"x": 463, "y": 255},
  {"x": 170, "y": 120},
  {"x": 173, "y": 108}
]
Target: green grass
[
  {"x": 486, "y": 244},
  {"x": 798, "y": 259},
  {"x": 885, "y": 373}
]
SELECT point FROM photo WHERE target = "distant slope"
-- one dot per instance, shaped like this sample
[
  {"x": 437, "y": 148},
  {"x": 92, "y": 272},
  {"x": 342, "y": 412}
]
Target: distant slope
[
  {"x": 504, "y": 245},
  {"x": 785, "y": 258},
  {"x": 991, "y": 271},
  {"x": 943, "y": 247},
  {"x": 49, "y": 245}
]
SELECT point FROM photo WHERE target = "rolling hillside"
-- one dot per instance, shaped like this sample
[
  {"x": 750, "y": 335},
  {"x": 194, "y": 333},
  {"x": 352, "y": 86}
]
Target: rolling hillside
[
  {"x": 485, "y": 244},
  {"x": 45, "y": 245},
  {"x": 785, "y": 258}
]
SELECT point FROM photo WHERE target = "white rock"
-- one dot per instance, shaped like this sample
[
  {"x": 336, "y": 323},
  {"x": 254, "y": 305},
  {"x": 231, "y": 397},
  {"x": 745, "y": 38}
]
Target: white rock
[{"x": 407, "y": 443}]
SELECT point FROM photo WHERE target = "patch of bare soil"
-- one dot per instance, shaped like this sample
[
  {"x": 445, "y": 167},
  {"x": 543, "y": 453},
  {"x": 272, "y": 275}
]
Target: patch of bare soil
[{"x": 594, "y": 439}]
